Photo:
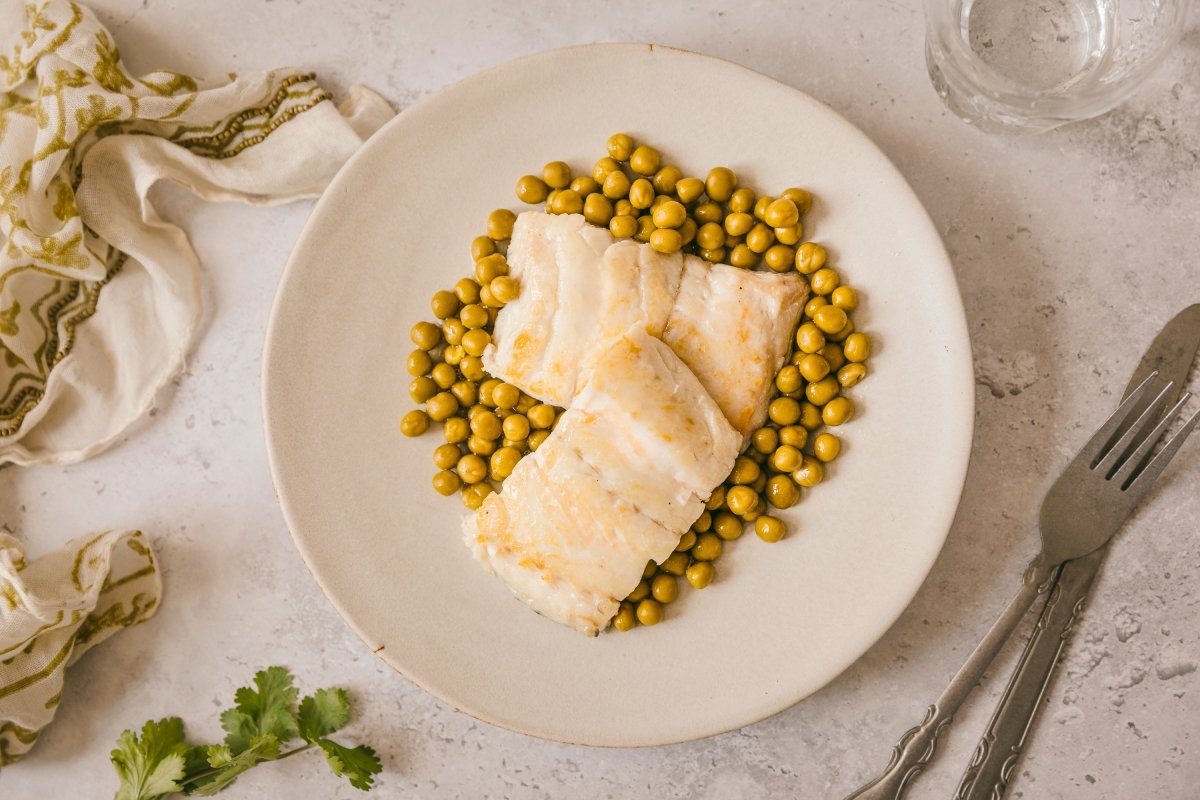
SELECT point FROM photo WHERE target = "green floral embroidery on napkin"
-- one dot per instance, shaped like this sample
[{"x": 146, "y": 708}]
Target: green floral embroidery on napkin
[{"x": 62, "y": 89}]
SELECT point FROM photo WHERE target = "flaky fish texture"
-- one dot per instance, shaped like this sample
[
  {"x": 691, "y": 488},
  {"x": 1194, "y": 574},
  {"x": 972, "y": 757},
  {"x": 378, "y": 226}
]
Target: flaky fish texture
[
  {"x": 623, "y": 475},
  {"x": 579, "y": 288},
  {"x": 733, "y": 328}
]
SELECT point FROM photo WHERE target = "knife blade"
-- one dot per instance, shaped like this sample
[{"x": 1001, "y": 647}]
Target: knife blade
[{"x": 994, "y": 762}]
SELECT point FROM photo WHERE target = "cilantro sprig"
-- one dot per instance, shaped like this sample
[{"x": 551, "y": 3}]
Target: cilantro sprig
[{"x": 264, "y": 720}]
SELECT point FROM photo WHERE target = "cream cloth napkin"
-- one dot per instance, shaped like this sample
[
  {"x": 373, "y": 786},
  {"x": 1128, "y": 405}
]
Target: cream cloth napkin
[
  {"x": 99, "y": 297},
  {"x": 54, "y": 610}
]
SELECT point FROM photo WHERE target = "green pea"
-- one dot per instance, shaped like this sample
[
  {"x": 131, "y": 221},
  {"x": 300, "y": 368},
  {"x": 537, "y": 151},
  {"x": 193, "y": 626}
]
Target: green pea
[
  {"x": 603, "y": 167},
  {"x": 664, "y": 588},
  {"x": 421, "y": 389},
  {"x": 742, "y": 256},
  {"x": 567, "y": 201},
  {"x": 414, "y": 423},
  {"x": 688, "y": 190},
  {"x": 626, "y": 617},
  {"x": 837, "y": 411},
  {"x": 456, "y": 430},
  {"x": 419, "y": 363},
  {"x": 708, "y": 547},
  {"x": 666, "y": 179},
  {"x": 531, "y": 189},
  {"x": 557, "y": 175},
  {"x": 742, "y": 200},
  {"x": 465, "y": 392},
  {"x": 822, "y": 391},
  {"x": 641, "y": 193},
  {"x": 503, "y": 462},
  {"x": 845, "y": 298},
  {"x": 784, "y": 411},
  {"x": 597, "y": 209},
  {"x": 505, "y": 288},
  {"x": 810, "y": 473},
  {"x": 781, "y": 213},
  {"x": 857, "y": 347},
  {"x": 727, "y": 525},
  {"x": 769, "y": 529},
  {"x": 500, "y": 224},
  {"x": 616, "y": 185},
  {"x": 674, "y": 564},
  {"x": 623, "y": 226},
  {"x": 649, "y": 612},
  {"x": 426, "y": 335},
  {"x": 786, "y": 458},
  {"x": 669, "y": 214},
  {"x": 584, "y": 185},
  {"x": 765, "y": 440},
  {"x": 794, "y": 435},
  {"x": 645, "y": 160},
  {"x": 446, "y": 483},
  {"x": 666, "y": 240},
  {"x": 813, "y": 367},
  {"x": 810, "y": 257},
  {"x": 467, "y": 289},
  {"x": 782, "y": 491},
  {"x": 701, "y": 574},
  {"x": 472, "y": 468},
  {"x": 620, "y": 146},
  {"x": 720, "y": 184},
  {"x": 789, "y": 379},
  {"x": 826, "y": 447},
  {"x": 851, "y": 374}
]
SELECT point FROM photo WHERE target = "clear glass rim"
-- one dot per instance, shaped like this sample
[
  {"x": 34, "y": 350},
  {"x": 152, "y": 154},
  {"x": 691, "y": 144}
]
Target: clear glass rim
[{"x": 969, "y": 73}]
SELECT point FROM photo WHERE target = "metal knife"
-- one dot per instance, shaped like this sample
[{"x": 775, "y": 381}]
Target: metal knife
[{"x": 996, "y": 756}]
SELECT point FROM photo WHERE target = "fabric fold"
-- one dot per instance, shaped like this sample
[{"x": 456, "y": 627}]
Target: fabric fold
[
  {"x": 55, "y": 609},
  {"x": 99, "y": 296}
]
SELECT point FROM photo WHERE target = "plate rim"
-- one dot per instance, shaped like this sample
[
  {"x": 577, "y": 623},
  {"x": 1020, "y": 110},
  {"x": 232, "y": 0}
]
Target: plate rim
[{"x": 956, "y": 320}]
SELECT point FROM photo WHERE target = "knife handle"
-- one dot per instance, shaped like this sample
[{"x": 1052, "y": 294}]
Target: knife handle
[{"x": 997, "y": 754}]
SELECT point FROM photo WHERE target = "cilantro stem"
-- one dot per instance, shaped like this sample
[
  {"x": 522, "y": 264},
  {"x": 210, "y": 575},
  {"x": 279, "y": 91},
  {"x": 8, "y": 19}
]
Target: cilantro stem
[{"x": 208, "y": 773}]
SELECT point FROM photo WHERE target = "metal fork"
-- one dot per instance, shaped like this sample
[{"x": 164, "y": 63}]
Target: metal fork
[{"x": 1084, "y": 508}]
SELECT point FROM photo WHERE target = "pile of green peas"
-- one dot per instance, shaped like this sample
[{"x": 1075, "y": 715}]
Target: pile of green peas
[
  {"x": 632, "y": 193},
  {"x": 488, "y": 425}
]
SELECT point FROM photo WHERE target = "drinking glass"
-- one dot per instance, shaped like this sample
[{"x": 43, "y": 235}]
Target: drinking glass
[{"x": 1032, "y": 65}]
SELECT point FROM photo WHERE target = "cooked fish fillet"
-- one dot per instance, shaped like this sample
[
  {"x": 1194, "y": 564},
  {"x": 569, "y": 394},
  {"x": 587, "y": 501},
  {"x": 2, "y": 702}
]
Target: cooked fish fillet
[
  {"x": 578, "y": 289},
  {"x": 652, "y": 432},
  {"x": 733, "y": 328},
  {"x": 622, "y": 476}
]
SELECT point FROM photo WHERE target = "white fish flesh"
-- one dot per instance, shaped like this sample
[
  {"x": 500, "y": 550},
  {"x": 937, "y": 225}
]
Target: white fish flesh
[
  {"x": 579, "y": 288},
  {"x": 625, "y": 472},
  {"x": 733, "y": 328}
]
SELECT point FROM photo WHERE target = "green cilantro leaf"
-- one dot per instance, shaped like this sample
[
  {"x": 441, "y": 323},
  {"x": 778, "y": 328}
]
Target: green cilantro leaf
[
  {"x": 323, "y": 712},
  {"x": 228, "y": 765},
  {"x": 268, "y": 711},
  {"x": 162, "y": 762},
  {"x": 154, "y": 765},
  {"x": 359, "y": 764}
]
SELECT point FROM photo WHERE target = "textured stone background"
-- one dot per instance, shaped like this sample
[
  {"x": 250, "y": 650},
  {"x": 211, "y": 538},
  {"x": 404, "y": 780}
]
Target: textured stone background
[{"x": 1071, "y": 250}]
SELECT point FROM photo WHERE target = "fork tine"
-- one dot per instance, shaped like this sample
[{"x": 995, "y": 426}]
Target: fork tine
[
  {"x": 1141, "y": 455},
  {"x": 1134, "y": 434},
  {"x": 1143, "y": 480},
  {"x": 1094, "y": 449}
]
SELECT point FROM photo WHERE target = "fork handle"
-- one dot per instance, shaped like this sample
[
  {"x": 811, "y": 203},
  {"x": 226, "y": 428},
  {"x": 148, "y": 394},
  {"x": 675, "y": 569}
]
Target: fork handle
[
  {"x": 996, "y": 755},
  {"x": 917, "y": 746}
]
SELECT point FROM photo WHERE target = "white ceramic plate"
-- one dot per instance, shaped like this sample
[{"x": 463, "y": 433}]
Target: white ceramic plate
[{"x": 782, "y": 620}]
